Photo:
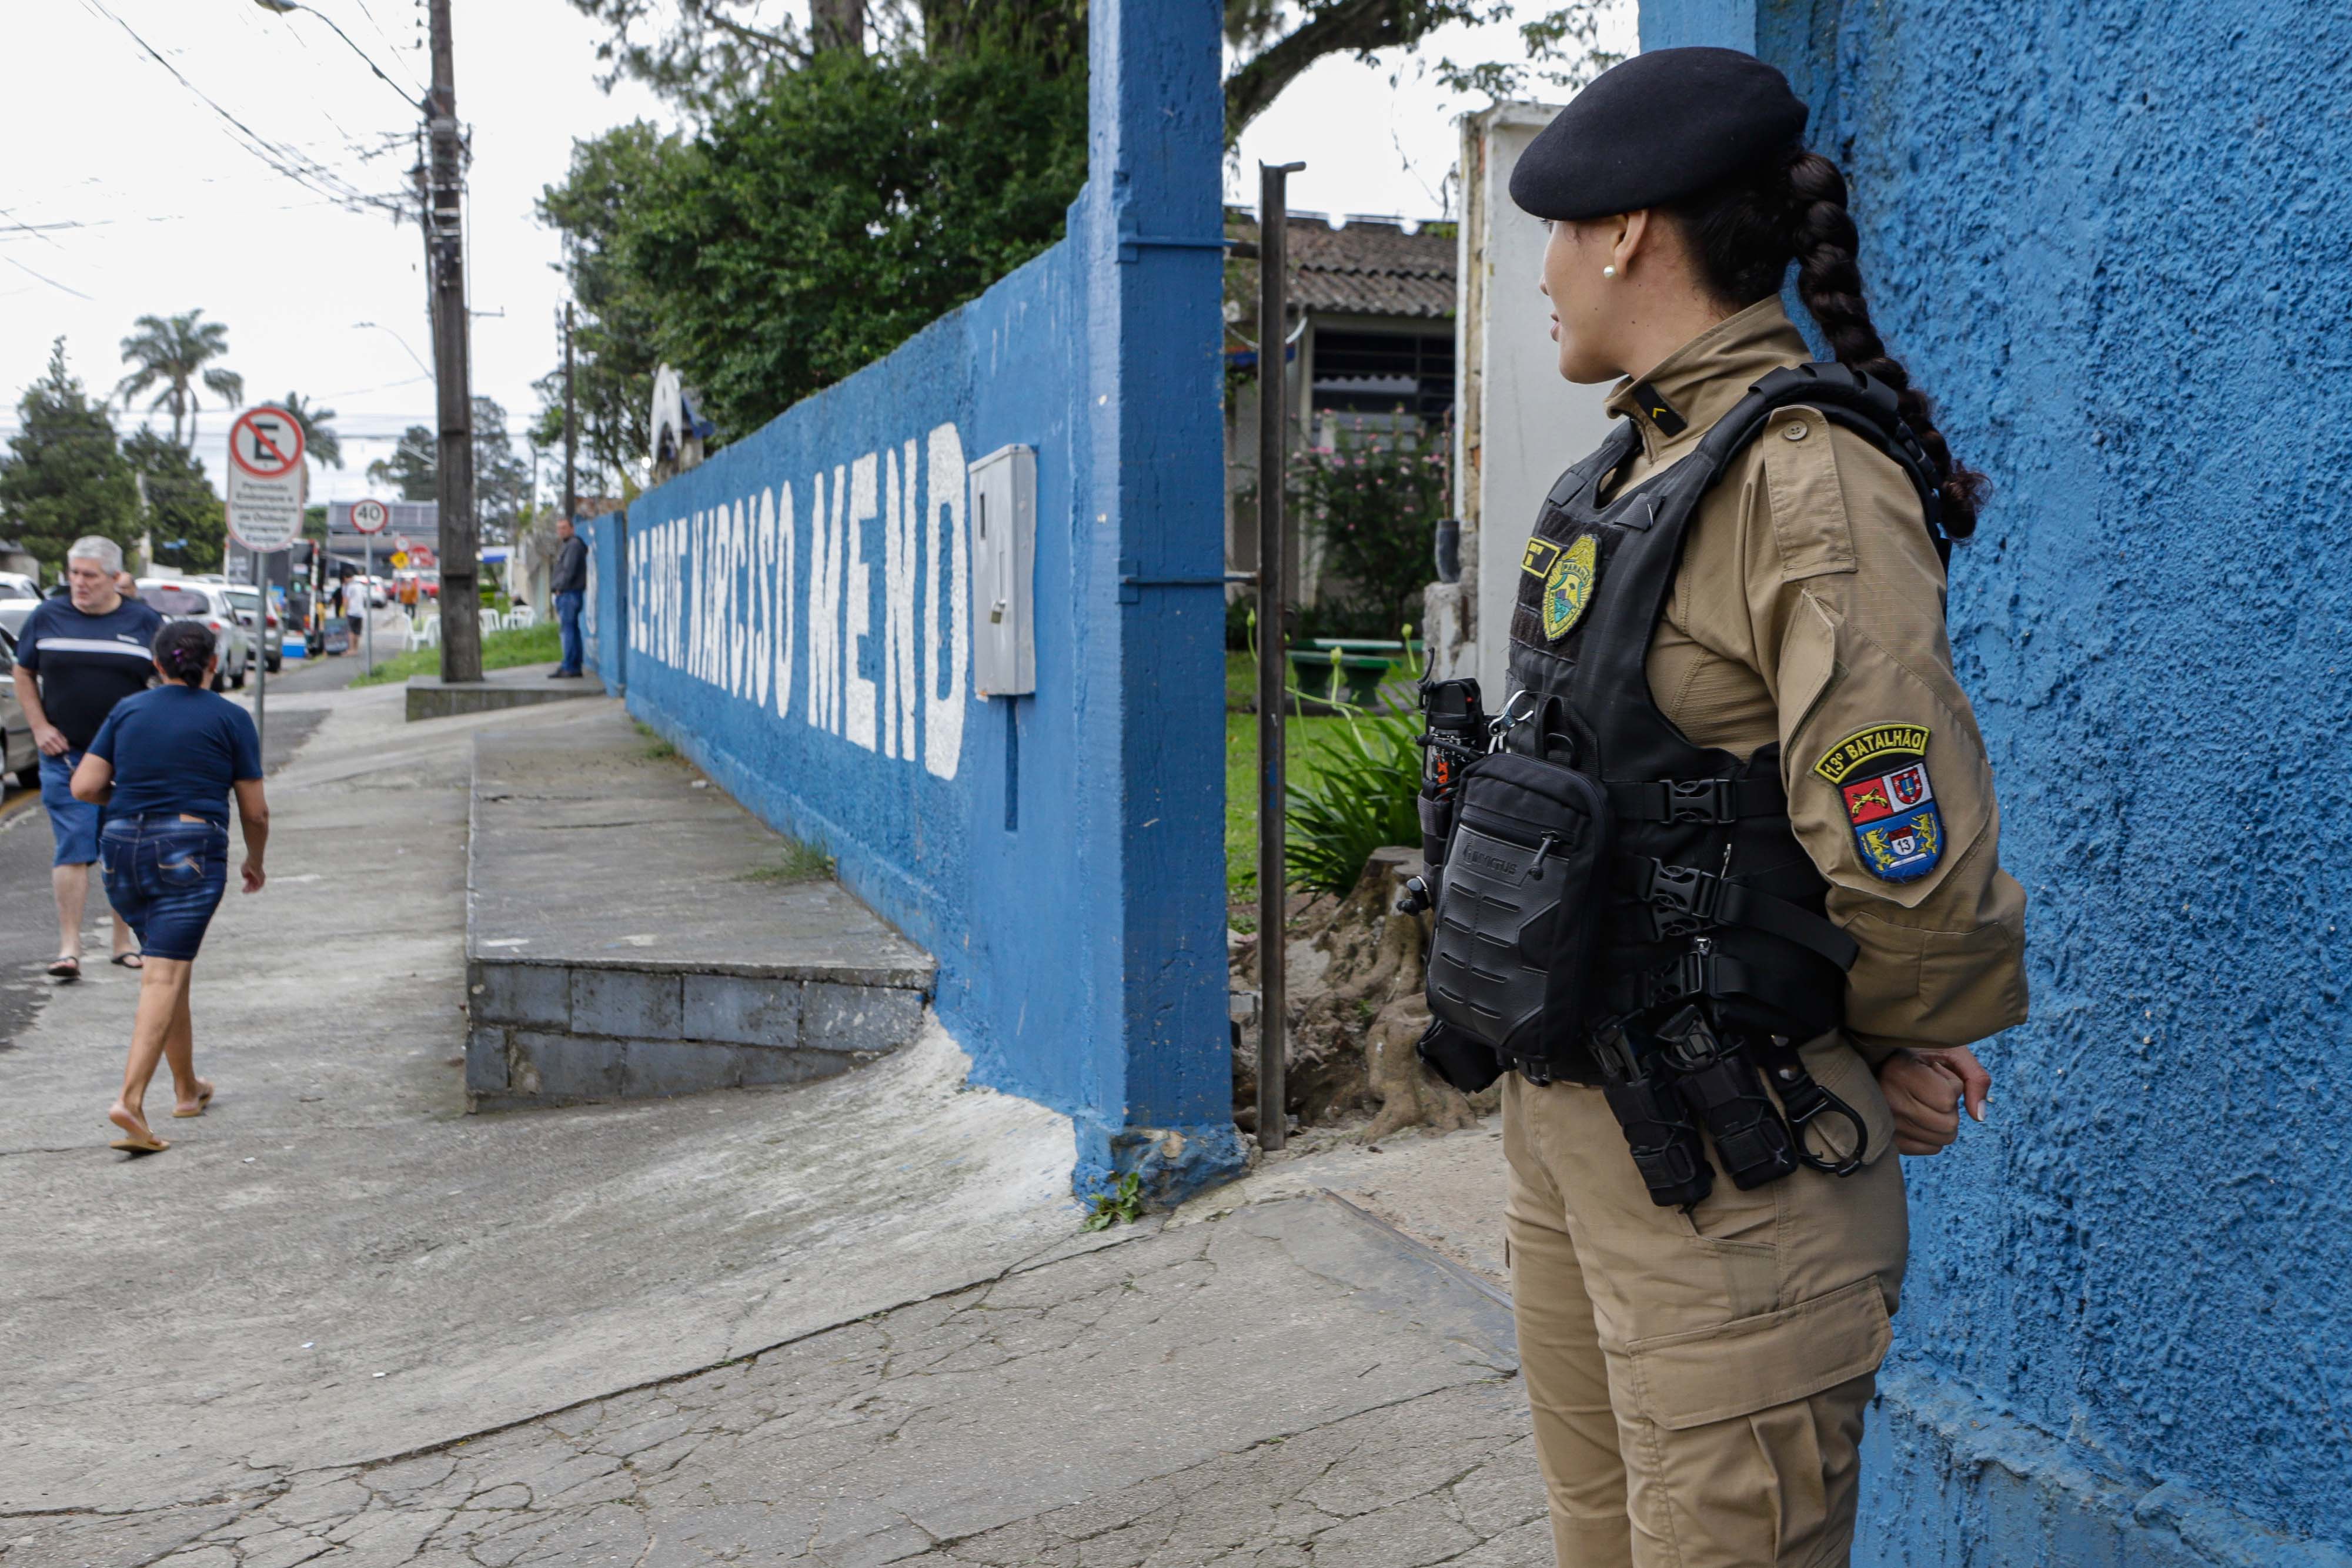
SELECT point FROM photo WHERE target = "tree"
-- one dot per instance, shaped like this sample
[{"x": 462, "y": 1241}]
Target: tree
[
  {"x": 816, "y": 226},
  {"x": 824, "y": 203},
  {"x": 319, "y": 437},
  {"x": 613, "y": 338},
  {"x": 501, "y": 475},
  {"x": 411, "y": 468},
  {"x": 184, "y": 517},
  {"x": 1563, "y": 53},
  {"x": 501, "y": 478},
  {"x": 64, "y": 477},
  {"x": 707, "y": 54},
  {"x": 175, "y": 353}
]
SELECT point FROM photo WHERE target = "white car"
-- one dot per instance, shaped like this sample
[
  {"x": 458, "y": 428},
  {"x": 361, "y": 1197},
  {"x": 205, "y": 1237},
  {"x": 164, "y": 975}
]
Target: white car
[
  {"x": 273, "y": 647},
  {"x": 187, "y": 599},
  {"x": 15, "y": 585}
]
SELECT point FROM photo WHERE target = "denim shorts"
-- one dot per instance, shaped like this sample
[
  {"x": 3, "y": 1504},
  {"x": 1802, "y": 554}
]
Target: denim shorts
[
  {"x": 165, "y": 877},
  {"x": 72, "y": 824}
]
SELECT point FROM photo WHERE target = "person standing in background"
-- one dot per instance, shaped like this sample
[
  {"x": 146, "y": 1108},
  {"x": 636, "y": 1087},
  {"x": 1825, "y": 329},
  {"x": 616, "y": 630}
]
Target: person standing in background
[
  {"x": 569, "y": 583},
  {"x": 77, "y": 657},
  {"x": 167, "y": 763}
]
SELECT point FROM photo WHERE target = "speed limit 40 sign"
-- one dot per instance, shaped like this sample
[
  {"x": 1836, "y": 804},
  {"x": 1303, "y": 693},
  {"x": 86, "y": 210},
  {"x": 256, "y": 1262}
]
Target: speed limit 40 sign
[
  {"x": 369, "y": 516},
  {"x": 266, "y": 479}
]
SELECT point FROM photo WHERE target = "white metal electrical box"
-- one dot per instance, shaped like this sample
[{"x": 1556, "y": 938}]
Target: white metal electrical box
[{"x": 1003, "y": 565}]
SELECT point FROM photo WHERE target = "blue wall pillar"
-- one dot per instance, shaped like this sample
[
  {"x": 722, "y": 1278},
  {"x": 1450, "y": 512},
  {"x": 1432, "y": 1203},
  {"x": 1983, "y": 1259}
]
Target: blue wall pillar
[
  {"x": 1155, "y": 268},
  {"x": 796, "y": 615},
  {"x": 2114, "y": 244}
]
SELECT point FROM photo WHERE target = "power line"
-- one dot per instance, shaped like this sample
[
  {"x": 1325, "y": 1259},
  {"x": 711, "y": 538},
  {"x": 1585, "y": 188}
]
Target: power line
[
  {"x": 52, "y": 282},
  {"x": 284, "y": 160}
]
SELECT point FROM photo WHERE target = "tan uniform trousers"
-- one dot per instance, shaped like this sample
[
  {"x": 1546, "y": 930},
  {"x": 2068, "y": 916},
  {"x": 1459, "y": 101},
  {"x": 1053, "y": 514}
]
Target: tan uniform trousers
[{"x": 1697, "y": 1380}]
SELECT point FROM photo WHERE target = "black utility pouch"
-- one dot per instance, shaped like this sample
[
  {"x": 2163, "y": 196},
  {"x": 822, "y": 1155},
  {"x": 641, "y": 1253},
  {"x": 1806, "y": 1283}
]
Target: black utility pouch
[
  {"x": 1468, "y": 1064},
  {"x": 1518, "y": 912}
]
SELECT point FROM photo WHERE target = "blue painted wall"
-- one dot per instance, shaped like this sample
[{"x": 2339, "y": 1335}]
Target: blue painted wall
[
  {"x": 2116, "y": 245},
  {"x": 798, "y": 620}
]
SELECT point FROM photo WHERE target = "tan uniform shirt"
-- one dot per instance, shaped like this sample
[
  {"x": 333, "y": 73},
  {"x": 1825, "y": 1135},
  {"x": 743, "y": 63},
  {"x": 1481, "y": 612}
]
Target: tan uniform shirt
[{"x": 1810, "y": 607}]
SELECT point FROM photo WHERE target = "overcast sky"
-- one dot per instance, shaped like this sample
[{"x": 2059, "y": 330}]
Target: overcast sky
[{"x": 129, "y": 194}]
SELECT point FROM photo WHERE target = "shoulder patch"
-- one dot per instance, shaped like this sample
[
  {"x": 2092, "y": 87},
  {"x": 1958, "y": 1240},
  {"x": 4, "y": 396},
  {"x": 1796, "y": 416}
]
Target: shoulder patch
[
  {"x": 1568, "y": 586},
  {"x": 1881, "y": 775}
]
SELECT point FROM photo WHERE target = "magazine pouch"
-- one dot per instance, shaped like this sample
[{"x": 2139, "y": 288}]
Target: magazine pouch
[{"x": 1518, "y": 912}]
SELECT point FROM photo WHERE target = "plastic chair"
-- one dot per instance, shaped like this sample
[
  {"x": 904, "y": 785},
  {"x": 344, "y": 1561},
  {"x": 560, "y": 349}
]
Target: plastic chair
[{"x": 523, "y": 618}]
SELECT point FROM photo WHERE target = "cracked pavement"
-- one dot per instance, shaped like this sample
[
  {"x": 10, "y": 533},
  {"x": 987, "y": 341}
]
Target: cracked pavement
[
  {"x": 1280, "y": 1386},
  {"x": 341, "y": 1323}
]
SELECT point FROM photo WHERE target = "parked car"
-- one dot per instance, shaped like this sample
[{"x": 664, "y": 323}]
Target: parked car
[
  {"x": 15, "y": 585},
  {"x": 14, "y": 613},
  {"x": 23, "y": 759},
  {"x": 188, "y": 599},
  {"x": 273, "y": 646}
]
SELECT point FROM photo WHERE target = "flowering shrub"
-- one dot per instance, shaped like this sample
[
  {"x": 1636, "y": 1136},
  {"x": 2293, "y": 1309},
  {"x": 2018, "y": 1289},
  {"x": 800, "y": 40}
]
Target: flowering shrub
[{"x": 1374, "y": 501}]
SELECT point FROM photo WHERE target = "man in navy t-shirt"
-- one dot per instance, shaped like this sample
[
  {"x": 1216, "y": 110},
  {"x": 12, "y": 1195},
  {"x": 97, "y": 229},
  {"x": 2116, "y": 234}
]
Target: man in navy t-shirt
[{"x": 76, "y": 658}]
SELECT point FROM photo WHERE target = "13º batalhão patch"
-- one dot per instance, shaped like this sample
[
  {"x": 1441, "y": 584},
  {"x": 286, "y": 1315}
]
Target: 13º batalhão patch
[
  {"x": 1881, "y": 775},
  {"x": 1568, "y": 586}
]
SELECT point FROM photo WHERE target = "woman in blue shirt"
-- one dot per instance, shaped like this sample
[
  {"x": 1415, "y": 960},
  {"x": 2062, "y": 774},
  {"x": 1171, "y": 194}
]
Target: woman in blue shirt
[{"x": 165, "y": 765}]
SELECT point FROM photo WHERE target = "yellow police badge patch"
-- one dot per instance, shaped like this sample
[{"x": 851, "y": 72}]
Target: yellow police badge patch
[{"x": 1568, "y": 586}]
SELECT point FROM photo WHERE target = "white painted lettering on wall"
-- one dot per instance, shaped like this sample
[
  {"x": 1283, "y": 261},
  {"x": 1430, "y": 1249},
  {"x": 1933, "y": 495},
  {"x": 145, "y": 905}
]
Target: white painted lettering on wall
[{"x": 718, "y": 595}]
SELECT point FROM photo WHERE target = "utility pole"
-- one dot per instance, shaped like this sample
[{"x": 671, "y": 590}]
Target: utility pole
[
  {"x": 461, "y": 620},
  {"x": 571, "y": 428}
]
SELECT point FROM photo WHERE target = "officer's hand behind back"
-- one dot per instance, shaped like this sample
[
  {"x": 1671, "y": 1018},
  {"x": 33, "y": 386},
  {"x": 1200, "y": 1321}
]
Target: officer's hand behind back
[{"x": 1924, "y": 1088}]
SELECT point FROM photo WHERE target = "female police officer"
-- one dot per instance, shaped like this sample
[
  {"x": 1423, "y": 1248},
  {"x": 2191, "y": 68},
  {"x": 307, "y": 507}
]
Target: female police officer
[{"x": 1730, "y": 624}]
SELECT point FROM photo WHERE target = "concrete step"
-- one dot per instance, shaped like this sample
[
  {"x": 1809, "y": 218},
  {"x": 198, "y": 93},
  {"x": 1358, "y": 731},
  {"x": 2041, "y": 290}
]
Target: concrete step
[
  {"x": 526, "y": 685},
  {"x": 631, "y": 932}
]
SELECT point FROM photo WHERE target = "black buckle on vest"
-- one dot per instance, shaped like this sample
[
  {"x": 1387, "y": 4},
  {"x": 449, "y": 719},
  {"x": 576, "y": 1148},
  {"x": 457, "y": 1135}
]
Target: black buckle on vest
[
  {"x": 1683, "y": 901},
  {"x": 1691, "y": 975},
  {"x": 1697, "y": 801},
  {"x": 1701, "y": 801}
]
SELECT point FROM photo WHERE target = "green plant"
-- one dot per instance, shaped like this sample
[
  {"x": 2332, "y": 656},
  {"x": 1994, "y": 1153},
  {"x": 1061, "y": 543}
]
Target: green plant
[
  {"x": 1121, "y": 1204},
  {"x": 801, "y": 863},
  {"x": 657, "y": 748},
  {"x": 1374, "y": 501},
  {"x": 1356, "y": 796}
]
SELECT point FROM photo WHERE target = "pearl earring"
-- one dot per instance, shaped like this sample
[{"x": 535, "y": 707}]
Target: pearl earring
[{"x": 1609, "y": 271}]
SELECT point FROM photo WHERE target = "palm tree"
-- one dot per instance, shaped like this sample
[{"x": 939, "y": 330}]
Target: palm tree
[
  {"x": 171, "y": 353},
  {"x": 318, "y": 439}
]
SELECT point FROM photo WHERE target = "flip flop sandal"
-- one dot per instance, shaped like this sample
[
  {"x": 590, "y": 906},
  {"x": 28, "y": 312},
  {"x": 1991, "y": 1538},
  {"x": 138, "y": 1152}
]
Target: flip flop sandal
[
  {"x": 66, "y": 969},
  {"x": 129, "y": 960},
  {"x": 203, "y": 1101},
  {"x": 135, "y": 1147}
]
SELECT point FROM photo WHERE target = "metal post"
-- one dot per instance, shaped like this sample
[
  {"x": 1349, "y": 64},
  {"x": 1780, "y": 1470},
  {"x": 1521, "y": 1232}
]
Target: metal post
[
  {"x": 261, "y": 642},
  {"x": 571, "y": 428},
  {"x": 461, "y": 635},
  {"x": 367, "y": 608},
  {"x": 1273, "y": 659}
]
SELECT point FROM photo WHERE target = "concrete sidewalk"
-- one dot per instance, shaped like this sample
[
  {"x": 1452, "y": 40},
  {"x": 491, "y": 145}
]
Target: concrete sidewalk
[{"x": 849, "y": 1322}]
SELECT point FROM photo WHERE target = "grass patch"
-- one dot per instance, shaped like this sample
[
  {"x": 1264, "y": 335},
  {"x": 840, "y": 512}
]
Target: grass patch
[
  {"x": 657, "y": 748},
  {"x": 1241, "y": 788},
  {"x": 799, "y": 863},
  {"x": 541, "y": 645}
]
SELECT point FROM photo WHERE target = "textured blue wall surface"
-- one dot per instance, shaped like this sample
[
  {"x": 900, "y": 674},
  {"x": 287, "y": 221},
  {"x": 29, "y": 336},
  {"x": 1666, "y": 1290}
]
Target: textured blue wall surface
[
  {"x": 2116, "y": 245},
  {"x": 798, "y": 620}
]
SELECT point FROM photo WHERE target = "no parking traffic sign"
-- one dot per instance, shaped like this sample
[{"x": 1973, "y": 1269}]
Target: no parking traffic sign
[{"x": 266, "y": 479}]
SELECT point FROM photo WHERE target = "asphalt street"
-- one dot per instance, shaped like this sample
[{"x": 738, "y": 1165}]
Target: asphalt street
[{"x": 28, "y": 928}]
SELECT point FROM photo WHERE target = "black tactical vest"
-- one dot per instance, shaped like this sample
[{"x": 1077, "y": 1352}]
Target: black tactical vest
[{"x": 1705, "y": 891}]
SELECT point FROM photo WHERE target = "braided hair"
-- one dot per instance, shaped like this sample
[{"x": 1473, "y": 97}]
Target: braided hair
[
  {"x": 184, "y": 649},
  {"x": 1743, "y": 234}
]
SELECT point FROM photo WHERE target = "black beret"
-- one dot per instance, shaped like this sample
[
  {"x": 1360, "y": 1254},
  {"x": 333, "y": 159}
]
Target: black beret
[{"x": 1657, "y": 127}]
